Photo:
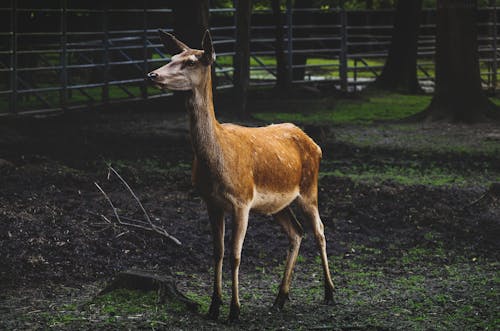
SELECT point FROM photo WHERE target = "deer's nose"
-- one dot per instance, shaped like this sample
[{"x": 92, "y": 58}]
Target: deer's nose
[{"x": 152, "y": 75}]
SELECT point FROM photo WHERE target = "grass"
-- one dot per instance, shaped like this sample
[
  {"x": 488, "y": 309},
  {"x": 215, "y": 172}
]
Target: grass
[
  {"x": 374, "y": 107},
  {"x": 416, "y": 288},
  {"x": 115, "y": 309},
  {"x": 460, "y": 294},
  {"x": 412, "y": 174},
  {"x": 52, "y": 98}
]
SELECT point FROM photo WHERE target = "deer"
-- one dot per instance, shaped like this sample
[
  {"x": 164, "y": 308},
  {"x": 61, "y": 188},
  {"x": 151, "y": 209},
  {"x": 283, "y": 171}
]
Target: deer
[{"x": 239, "y": 169}]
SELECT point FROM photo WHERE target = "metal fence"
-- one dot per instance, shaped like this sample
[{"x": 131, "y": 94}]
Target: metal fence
[{"x": 72, "y": 56}]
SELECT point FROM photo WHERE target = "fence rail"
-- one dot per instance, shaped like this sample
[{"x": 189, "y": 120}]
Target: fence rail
[{"x": 58, "y": 59}]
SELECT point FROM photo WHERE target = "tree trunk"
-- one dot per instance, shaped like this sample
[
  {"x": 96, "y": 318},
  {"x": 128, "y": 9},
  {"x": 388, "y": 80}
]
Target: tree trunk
[
  {"x": 300, "y": 18},
  {"x": 458, "y": 94},
  {"x": 190, "y": 20},
  {"x": 400, "y": 70},
  {"x": 282, "y": 79},
  {"x": 241, "y": 78}
]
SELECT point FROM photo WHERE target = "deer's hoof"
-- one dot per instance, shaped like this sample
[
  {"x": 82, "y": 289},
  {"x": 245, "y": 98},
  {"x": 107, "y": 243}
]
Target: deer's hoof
[
  {"x": 329, "y": 297},
  {"x": 280, "y": 301},
  {"x": 212, "y": 315},
  {"x": 213, "y": 312},
  {"x": 234, "y": 313}
]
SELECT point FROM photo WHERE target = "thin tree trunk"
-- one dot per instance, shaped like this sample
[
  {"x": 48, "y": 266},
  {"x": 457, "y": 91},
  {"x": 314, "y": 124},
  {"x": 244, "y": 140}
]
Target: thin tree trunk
[
  {"x": 300, "y": 18},
  {"x": 241, "y": 79},
  {"x": 458, "y": 94},
  {"x": 190, "y": 21},
  {"x": 400, "y": 70},
  {"x": 282, "y": 79}
]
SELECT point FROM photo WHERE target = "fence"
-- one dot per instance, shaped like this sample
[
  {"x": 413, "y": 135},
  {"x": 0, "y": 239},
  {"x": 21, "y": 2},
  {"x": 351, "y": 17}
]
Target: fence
[{"x": 66, "y": 56}]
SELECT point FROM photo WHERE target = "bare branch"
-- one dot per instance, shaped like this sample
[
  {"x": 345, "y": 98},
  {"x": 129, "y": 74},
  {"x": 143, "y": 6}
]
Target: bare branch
[
  {"x": 133, "y": 194},
  {"x": 110, "y": 203},
  {"x": 147, "y": 226}
]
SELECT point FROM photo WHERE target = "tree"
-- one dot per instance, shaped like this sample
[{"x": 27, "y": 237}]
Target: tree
[
  {"x": 458, "y": 94},
  {"x": 301, "y": 17},
  {"x": 241, "y": 78},
  {"x": 282, "y": 79},
  {"x": 400, "y": 70},
  {"x": 190, "y": 21}
]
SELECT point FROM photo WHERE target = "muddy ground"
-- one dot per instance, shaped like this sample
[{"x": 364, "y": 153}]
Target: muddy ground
[{"x": 403, "y": 256}]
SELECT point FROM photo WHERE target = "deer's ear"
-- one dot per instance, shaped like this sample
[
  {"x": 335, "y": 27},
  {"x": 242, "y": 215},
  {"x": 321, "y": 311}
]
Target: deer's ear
[
  {"x": 172, "y": 45},
  {"x": 208, "y": 49}
]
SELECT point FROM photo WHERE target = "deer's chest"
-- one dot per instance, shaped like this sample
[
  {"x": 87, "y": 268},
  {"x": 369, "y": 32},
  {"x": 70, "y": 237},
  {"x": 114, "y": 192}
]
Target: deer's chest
[{"x": 213, "y": 187}]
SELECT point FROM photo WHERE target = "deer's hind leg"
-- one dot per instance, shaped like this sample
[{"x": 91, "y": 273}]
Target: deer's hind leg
[
  {"x": 310, "y": 209},
  {"x": 294, "y": 232}
]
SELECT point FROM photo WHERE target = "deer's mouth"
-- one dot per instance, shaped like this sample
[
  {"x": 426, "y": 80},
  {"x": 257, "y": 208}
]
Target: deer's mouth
[{"x": 158, "y": 85}]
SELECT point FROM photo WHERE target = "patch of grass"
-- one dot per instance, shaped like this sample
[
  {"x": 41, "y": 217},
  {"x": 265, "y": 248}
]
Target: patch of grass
[
  {"x": 414, "y": 175},
  {"x": 401, "y": 291},
  {"x": 415, "y": 137},
  {"x": 390, "y": 106},
  {"x": 90, "y": 95},
  {"x": 380, "y": 106},
  {"x": 202, "y": 300},
  {"x": 116, "y": 309}
]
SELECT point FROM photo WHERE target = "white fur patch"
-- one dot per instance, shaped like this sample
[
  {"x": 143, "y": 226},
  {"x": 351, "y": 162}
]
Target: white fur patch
[{"x": 272, "y": 202}]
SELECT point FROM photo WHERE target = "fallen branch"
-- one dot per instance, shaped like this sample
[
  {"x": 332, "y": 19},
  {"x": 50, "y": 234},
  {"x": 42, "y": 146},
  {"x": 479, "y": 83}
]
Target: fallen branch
[
  {"x": 492, "y": 193},
  {"x": 147, "y": 225}
]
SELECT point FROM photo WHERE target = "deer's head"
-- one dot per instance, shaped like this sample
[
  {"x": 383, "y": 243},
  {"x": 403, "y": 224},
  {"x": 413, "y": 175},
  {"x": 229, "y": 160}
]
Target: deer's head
[{"x": 188, "y": 67}]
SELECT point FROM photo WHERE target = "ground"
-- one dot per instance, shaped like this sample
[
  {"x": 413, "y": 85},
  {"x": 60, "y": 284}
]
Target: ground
[{"x": 412, "y": 231}]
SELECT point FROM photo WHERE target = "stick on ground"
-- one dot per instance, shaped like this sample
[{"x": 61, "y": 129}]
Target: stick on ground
[{"x": 147, "y": 225}]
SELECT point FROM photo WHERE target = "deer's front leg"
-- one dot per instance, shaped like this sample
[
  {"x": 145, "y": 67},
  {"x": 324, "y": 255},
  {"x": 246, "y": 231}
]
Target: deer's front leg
[
  {"x": 240, "y": 224},
  {"x": 216, "y": 217}
]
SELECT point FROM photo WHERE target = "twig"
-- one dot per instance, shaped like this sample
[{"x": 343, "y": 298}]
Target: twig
[
  {"x": 133, "y": 194},
  {"x": 110, "y": 203},
  {"x": 484, "y": 195},
  {"x": 147, "y": 226}
]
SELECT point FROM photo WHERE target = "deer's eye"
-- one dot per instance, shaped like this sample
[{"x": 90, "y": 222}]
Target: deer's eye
[{"x": 190, "y": 63}]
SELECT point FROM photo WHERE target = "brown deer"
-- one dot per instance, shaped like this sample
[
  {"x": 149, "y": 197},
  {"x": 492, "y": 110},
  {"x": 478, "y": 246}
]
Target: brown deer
[{"x": 237, "y": 169}]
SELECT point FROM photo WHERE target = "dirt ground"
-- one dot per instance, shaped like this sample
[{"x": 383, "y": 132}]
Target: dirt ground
[{"x": 404, "y": 256}]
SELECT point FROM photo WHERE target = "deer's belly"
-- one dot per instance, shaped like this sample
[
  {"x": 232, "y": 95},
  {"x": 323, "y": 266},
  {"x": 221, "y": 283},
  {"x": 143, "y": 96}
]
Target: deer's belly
[{"x": 272, "y": 202}]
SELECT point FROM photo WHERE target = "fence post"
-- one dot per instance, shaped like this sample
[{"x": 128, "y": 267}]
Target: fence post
[
  {"x": 343, "y": 48},
  {"x": 105, "y": 27},
  {"x": 63, "y": 93},
  {"x": 13, "y": 57},
  {"x": 494, "y": 64},
  {"x": 144, "y": 86},
  {"x": 289, "y": 26}
]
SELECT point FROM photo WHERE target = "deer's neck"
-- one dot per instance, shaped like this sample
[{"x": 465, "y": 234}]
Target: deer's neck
[{"x": 204, "y": 126}]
